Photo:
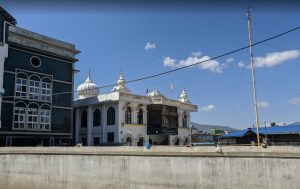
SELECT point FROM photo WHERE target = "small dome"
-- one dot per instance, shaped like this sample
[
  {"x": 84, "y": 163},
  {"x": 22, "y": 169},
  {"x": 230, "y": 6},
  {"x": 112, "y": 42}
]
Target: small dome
[
  {"x": 87, "y": 89},
  {"x": 183, "y": 97},
  {"x": 121, "y": 80},
  {"x": 156, "y": 93},
  {"x": 121, "y": 87}
]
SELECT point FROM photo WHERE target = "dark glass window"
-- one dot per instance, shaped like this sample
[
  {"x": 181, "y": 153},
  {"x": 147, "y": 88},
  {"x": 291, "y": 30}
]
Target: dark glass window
[
  {"x": 128, "y": 115},
  {"x": 83, "y": 140},
  {"x": 35, "y": 61},
  {"x": 140, "y": 116},
  {"x": 111, "y": 116},
  {"x": 84, "y": 119},
  {"x": 97, "y": 118},
  {"x": 110, "y": 137},
  {"x": 96, "y": 140},
  {"x": 184, "y": 121}
]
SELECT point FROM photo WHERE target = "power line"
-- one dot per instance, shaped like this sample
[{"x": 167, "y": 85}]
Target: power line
[{"x": 191, "y": 65}]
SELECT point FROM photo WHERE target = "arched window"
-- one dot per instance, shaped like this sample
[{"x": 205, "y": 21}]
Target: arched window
[
  {"x": 45, "y": 117},
  {"x": 84, "y": 119},
  {"x": 32, "y": 116},
  {"x": 111, "y": 116},
  {"x": 140, "y": 116},
  {"x": 128, "y": 115},
  {"x": 21, "y": 85},
  {"x": 34, "y": 87},
  {"x": 97, "y": 118},
  {"x": 128, "y": 141},
  {"x": 140, "y": 142},
  {"x": 184, "y": 121},
  {"x": 19, "y": 120}
]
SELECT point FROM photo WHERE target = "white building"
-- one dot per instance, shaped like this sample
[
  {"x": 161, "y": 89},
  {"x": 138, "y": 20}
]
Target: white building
[{"x": 121, "y": 117}]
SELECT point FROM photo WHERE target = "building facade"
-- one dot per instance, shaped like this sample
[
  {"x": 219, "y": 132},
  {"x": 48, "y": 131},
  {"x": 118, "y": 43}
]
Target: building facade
[
  {"x": 124, "y": 118},
  {"x": 36, "y": 84}
]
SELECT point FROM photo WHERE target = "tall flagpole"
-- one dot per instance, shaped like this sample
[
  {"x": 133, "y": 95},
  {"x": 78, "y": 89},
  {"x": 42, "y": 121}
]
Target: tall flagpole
[{"x": 253, "y": 78}]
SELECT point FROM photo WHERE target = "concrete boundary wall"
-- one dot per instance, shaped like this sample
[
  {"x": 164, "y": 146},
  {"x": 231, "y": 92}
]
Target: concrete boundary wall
[{"x": 159, "y": 167}]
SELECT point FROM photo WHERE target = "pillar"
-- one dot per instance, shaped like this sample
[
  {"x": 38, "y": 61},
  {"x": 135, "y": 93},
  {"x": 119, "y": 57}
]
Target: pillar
[
  {"x": 77, "y": 125},
  {"x": 89, "y": 126},
  {"x": 3, "y": 56}
]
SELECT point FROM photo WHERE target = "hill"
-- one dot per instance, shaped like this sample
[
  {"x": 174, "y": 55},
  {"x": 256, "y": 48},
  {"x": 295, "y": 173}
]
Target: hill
[{"x": 205, "y": 127}]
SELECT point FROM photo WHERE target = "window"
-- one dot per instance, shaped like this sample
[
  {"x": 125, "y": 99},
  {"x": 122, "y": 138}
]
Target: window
[
  {"x": 19, "y": 122},
  {"x": 83, "y": 141},
  {"x": 96, "y": 140},
  {"x": 111, "y": 116},
  {"x": 110, "y": 137},
  {"x": 128, "y": 115},
  {"x": 45, "y": 118},
  {"x": 140, "y": 116},
  {"x": 32, "y": 118},
  {"x": 184, "y": 121},
  {"x": 35, "y": 61},
  {"x": 97, "y": 118},
  {"x": 84, "y": 119},
  {"x": 21, "y": 88},
  {"x": 34, "y": 87},
  {"x": 46, "y": 91}
]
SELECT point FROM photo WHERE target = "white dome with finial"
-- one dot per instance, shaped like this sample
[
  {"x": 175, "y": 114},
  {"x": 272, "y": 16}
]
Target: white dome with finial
[
  {"x": 121, "y": 85},
  {"x": 183, "y": 97},
  {"x": 156, "y": 93},
  {"x": 88, "y": 88}
]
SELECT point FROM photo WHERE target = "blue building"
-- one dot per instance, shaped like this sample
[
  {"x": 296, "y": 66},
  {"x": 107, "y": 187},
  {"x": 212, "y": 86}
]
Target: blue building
[
  {"x": 36, "y": 84},
  {"x": 276, "y": 135}
]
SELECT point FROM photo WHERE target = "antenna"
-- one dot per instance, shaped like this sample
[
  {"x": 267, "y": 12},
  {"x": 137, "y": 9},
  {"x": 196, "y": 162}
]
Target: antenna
[{"x": 253, "y": 77}]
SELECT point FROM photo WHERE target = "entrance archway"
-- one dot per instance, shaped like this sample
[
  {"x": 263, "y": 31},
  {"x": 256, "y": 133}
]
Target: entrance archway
[
  {"x": 128, "y": 141},
  {"x": 141, "y": 141}
]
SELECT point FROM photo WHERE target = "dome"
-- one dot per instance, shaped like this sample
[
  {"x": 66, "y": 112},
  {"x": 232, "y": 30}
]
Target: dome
[
  {"x": 121, "y": 85},
  {"x": 156, "y": 93},
  {"x": 87, "y": 89},
  {"x": 183, "y": 97}
]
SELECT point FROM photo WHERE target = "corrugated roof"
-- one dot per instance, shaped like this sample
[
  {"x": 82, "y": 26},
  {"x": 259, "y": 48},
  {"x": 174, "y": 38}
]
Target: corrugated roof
[
  {"x": 240, "y": 133},
  {"x": 287, "y": 129}
]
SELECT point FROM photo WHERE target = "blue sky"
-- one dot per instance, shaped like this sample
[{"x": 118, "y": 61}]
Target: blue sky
[{"x": 111, "y": 38}]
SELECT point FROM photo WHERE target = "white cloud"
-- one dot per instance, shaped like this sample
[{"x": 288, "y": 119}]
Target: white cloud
[
  {"x": 208, "y": 108},
  {"x": 229, "y": 60},
  {"x": 275, "y": 58},
  {"x": 241, "y": 64},
  {"x": 150, "y": 46},
  {"x": 169, "y": 62},
  {"x": 262, "y": 104},
  {"x": 212, "y": 65},
  {"x": 295, "y": 101}
]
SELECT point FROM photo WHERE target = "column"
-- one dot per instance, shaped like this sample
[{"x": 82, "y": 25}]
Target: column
[
  {"x": 3, "y": 55},
  {"x": 89, "y": 126},
  {"x": 179, "y": 113},
  {"x": 103, "y": 124},
  {"x": 145, "y": 117},
  {"x": 77, "y": 125}
]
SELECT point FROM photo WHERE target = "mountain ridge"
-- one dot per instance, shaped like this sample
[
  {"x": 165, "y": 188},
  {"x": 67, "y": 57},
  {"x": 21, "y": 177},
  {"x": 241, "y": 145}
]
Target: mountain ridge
[{"x": 206, "y": 127}]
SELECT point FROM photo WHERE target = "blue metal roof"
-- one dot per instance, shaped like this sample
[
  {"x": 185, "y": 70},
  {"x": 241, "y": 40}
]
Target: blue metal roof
[
  {"x": 287, "y": 129},
  {"x": 240, "y": 133}
]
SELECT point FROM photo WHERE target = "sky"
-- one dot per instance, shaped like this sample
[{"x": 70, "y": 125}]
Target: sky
[{"x": 149, "y": 39}]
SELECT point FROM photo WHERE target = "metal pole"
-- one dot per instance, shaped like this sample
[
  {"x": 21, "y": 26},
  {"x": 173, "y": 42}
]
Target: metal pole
[{"x": 253, "y": 78}]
